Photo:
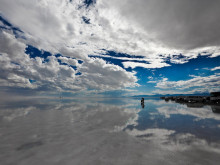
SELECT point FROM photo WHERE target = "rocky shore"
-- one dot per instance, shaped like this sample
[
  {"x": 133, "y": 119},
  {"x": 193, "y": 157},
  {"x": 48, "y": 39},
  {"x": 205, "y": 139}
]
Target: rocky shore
[{"x": 198, "y": 101}]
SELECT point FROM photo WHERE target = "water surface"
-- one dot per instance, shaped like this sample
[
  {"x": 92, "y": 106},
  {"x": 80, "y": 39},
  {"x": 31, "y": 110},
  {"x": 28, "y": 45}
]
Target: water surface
[{"x": 107, "y": 131}]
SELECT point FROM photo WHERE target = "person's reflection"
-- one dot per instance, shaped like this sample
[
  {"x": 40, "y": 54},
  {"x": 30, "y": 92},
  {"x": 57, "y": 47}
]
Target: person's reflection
[
  {"x": 142, "y": 105},
  {"x": 142, "y": 102}
]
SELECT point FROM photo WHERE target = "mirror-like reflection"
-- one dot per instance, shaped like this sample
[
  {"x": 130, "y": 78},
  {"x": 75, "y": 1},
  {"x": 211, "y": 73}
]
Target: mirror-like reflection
[{"x": 108, "y": 131}]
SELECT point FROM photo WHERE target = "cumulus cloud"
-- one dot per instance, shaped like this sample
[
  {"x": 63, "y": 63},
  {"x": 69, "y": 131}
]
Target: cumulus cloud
[
  {"x": 153, "y": 64},
  {"x": 76, "y": 30},
  {"x": 69, "y": 61},
  {"x": 198, "y": 113},
  {"x": 97, "y": 74},
  {"x": 10, "y": 46},
  {"x": 56, "y": 26},
  {"x": 210, "y": 82},
  {"x": 19, "y": 70}
]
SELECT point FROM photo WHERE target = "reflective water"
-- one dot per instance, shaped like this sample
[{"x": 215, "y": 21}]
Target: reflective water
[{"x": 108, "y": 131}]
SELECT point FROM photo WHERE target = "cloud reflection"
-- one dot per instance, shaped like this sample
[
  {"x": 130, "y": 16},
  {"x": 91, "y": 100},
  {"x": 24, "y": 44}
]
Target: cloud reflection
[{"x": 69, "y": 131}]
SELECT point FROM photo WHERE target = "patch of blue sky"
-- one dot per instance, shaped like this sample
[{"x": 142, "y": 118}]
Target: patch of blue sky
[
  {"x": 144, "y": 88},
  {"x": 86, "y": 20},
  {"x": 34, "y": 52},
  {"x": 118, "y": 58},
  {"x": 78, "y": 74},
  {"x": 89, "y": 2},
  {"x": 32, "y": 81},
  {"x": 79, "y": 61},
  {"x": 116, "y": 54},
  {"x": 63, "y": 63},
  {"x": 74, "y": 67},
  {"x": 15, "y": 63},
  {"x": 118, "y": 61},
  {"x": 58, "y": 55},
  {"x": 8, "y": 26},
  {"x": 142, "y": 75},
  {"x": 200, "y": 66}
]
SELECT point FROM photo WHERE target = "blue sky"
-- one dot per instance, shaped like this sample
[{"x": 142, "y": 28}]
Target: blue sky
[{"x": 100, "y": 48}]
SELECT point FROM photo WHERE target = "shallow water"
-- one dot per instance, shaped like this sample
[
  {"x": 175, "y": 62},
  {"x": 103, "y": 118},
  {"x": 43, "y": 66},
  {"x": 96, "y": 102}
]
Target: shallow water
[{"x": 107, "y": 131}]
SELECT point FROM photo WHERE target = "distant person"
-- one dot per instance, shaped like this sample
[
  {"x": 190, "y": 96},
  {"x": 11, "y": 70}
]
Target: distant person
[
  {"x": 142, "y": 105},
  {"x": 142, "y": 102}
]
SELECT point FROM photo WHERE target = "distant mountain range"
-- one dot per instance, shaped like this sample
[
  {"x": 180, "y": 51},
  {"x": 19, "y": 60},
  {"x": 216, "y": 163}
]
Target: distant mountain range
[{"x": 159, "y": 95}]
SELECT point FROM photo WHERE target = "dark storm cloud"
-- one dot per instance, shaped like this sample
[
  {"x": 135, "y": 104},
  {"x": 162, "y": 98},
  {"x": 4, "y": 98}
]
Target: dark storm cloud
[{"x": 183, "y": 24}]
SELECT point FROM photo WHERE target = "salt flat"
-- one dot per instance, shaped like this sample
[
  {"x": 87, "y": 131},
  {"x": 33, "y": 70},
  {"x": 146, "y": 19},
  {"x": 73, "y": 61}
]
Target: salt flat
[{"x": 107, "y": 131}]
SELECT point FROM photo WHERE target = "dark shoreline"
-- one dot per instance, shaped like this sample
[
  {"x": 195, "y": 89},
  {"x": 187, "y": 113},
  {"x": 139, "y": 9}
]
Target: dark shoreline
[{"x": 196, "y": 101}]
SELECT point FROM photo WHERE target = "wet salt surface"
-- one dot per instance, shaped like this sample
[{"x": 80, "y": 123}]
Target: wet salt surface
[{"x": 107, "y": 131}]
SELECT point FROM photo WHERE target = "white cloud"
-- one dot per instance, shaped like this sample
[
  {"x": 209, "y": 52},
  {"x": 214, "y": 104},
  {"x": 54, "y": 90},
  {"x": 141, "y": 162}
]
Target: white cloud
[
  {"x": 216, "y": 68},
  {"x": 18, "y": 67},
  {"x": 171, "y": 140},
  {"x": 210, "y": 82},
  {"x": 11, "y": 46},
  {"x": 155, "y": 134},
  {"x": 68, "y": 61},
  {"x": 96, "y": 74},
  {"x": 153, "y": 64},
  {"x": 169, "y": 22},
  {"x": 58, "y": 27},
  {"x": 199, "y": 113},
  {"x": 10, "y": 115},
  {"x": 176, "y": 91}
]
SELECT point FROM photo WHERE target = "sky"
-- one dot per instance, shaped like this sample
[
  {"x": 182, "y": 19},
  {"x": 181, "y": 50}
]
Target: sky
[{"x": 109, "y": 48}]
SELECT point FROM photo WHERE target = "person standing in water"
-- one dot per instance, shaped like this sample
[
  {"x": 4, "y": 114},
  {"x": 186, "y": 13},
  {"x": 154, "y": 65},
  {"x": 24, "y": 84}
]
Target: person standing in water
[{"x": 142, "y": 102}]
